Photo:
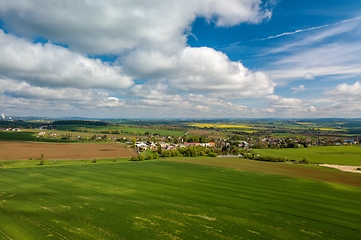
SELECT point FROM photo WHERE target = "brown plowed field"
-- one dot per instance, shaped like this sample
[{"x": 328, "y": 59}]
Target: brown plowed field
[
  {"x": 292, "y": 170},
  {"x": 62, "y": 151}
]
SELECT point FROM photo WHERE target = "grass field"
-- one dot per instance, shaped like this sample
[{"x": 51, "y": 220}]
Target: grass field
[
  {"x": 170, "y": 200},
  {"x": 125, "y": 129},
  {"x": 343, "y": 155},
  {"x": 17, "y": 136},
  {"x": 28, "y": 135}
]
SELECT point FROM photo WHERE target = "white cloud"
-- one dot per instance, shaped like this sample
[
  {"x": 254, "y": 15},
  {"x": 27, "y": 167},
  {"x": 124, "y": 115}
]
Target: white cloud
[
  {"x": 345, "y": 92},
  {"x": 332, "y": 52},
  {"x": 200, "y": 70},
  {"x": 309, "y": 76},
  {"x": 311, "y": 109},
  {"x": 19, "y": 93},
  {"x": 298, "y": 89},
  {"x": 281, "y": 102},
  {"x": 155, "y": 67},
  {"x": 108, "y": 26},
  {"x": 342, "y": 59},
  {"x": 110, "y": 102},
  {"x": 50, "y": 65}
]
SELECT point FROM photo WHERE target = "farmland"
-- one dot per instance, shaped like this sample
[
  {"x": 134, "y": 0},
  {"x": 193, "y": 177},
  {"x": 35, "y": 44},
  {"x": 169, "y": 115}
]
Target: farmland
[
  {"x": 85, "y": 187},
  {"x": 343, "y": 155},
  {"x": 168, "y": 200},
  {"x": 60, "y": 151},
  {"x": 219, "y": 125}
]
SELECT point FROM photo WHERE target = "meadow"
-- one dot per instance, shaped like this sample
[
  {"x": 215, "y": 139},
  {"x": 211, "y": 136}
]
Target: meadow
[
  {"x": 123, "y": 129},
  {"x": 28, "y": 135},
  {"x": 18, "y": 136},
  {"x": 342, "y": 155},
  {"x": 161, "y": 199}
]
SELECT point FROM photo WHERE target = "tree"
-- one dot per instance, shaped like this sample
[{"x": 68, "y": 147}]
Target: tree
[
  {"x": 133, "y": 140},
  {"x": 159, "y": 149}
]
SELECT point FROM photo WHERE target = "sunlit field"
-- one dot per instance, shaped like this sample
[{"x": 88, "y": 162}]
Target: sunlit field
[
  {"x": 343, "y": 155},
  {"x": 169, "y": 200},
  {"x": 219, "y": 125}
]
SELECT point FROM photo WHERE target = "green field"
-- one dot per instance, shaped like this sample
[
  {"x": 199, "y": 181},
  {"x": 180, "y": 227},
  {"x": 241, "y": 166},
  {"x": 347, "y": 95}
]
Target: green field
[
  {"x": 26, "y": 136},
  {"x": 169, "y": 200},
  {"x": 17, "y": 136},
  {"x": 124, "y": 129},
  {"x": 343, "y": 155}
]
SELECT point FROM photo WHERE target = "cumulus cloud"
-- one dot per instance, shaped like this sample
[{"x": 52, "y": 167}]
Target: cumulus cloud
[
  {"x": 101, "y": 27},
  {"x": 155, "y": 68},
  {"x": 22, "y": 89},
  {"x": 53, "y": 98},
  {"x": 281, "y": 102},
  {"x": 48, "y": 64},
  {"x": 311, "y": 109},
  {"x": 345, "y": 92},
  {"x": 200, "y": 70},
  {"x": 110, "y": 102}
]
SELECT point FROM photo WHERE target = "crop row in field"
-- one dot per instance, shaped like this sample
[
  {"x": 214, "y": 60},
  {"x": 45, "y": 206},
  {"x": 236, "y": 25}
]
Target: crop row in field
[
  {"x": 165, "y": 200},
  {"x": 343, "y": 155}
]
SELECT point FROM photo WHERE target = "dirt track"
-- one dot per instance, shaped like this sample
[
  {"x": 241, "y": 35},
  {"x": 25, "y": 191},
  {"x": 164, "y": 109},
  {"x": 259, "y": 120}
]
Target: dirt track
[{"x": 59, "y": 151}]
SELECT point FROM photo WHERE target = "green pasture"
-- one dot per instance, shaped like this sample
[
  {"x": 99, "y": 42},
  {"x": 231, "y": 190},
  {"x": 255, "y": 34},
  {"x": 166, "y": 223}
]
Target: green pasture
[
  {"x": 5, "y": 164},
  {"x": 124, "y": 129},
  {"x": 27, "y": 136},
  {"x": 168, "y": 200},
  {"x": 160, "y": 131},
  {"x": 343, "y": 155},
  {"x": 17, "y": 136}
]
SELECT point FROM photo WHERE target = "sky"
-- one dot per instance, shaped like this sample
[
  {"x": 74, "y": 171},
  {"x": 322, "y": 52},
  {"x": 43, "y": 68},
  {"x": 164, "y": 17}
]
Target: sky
[{"x": 180, "y": 58}]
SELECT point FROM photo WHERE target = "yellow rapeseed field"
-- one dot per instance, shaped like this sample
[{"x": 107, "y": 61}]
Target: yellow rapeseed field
[{"x": 219, "y": 125}]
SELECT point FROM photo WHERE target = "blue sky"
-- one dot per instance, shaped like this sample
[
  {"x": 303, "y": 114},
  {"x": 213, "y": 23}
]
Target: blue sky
[{"x": 188, "y": 59}]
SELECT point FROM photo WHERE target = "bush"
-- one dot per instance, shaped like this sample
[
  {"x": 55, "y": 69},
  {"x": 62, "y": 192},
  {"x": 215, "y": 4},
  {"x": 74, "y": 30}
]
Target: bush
[
  {"x": 42, "y": 162},
  {"x": 149, "y": 157},
  {"x": 134, "y": 158},
  {"x": 305, "y": 161},
  {"x": 140, "y": 157},
  {"x": 212, "y": 154},
  {"x": 167, "y": 153}
]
